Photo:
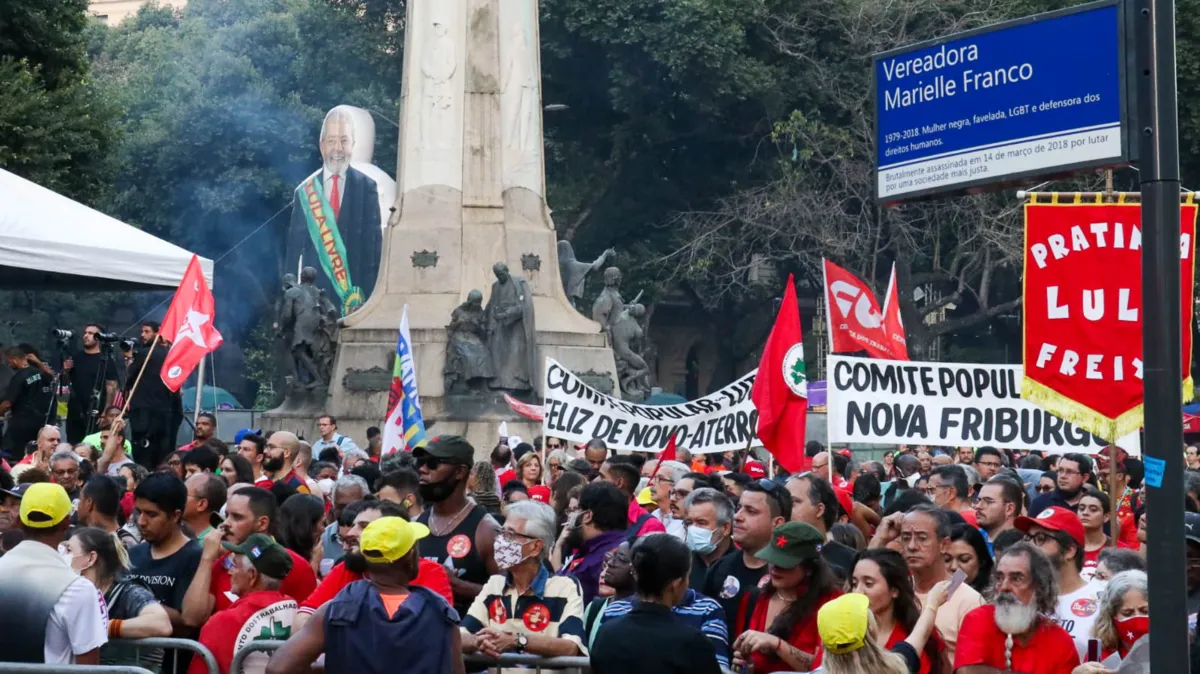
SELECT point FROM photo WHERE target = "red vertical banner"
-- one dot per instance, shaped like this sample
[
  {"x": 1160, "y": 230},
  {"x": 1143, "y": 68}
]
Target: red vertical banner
[{"x": 1083, "y": 312}]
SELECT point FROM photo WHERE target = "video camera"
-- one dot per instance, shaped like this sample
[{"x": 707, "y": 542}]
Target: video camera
[{"x": 66, "y": 336}]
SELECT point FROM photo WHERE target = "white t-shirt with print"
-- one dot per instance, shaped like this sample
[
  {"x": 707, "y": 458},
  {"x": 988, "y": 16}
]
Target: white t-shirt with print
[
  {"x": 1076, "y": 613},
  {"x": 78, "y": 623}
]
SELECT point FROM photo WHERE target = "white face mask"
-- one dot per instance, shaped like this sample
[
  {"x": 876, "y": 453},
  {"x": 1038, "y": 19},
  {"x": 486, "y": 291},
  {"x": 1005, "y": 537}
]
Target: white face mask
[{"x": 509, "y": 553}]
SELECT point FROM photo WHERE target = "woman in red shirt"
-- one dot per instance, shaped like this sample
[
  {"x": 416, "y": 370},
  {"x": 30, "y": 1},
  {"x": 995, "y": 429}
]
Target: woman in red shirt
[
  {"x": 883, "y": 576},
  {"x": 776, "y": 626}
]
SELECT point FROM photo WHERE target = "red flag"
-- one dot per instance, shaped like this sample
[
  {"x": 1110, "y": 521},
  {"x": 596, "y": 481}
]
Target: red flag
[
  {"x": 855, "y": 322},
  {"x": 893, "y": 324},
  {"x": 667, "y": 454},
  {"x": 188, "y": 325},
  {"x": 780, "y": 390}
]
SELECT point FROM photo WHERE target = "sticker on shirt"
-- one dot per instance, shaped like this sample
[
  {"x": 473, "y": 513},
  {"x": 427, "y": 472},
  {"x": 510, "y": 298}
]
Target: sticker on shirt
[
  {"x": 459, "y": 546},
  {"x": 731, "y": 587},
  {"x": 271, "y": 622},
  {"x": 536, "y": 617},
  {"x": 498, "y": 613},
  {"x": 1084, "y": 607}
]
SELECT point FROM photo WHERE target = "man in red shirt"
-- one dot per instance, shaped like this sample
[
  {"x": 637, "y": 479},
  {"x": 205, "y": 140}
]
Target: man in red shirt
[
  {"x": 259, "y": 567},
  {"x": 248, "y": 511},
  {"x": 1015, "y": 632},
  {"x": 430, "y": 574}
]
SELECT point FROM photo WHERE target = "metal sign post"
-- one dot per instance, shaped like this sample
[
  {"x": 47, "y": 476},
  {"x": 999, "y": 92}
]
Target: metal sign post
[{"x": 1159, "y": 172}]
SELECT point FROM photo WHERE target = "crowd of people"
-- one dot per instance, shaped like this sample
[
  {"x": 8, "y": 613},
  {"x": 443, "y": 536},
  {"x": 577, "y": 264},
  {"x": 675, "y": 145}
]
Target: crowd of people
[{"x": 926, "y": 560}]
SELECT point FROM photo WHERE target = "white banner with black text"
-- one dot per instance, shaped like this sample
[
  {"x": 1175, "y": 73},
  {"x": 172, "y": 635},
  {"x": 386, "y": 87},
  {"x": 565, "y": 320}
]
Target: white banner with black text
[
  {"x": 945, "y": 404},
  {"x": 719, "y": 422}
]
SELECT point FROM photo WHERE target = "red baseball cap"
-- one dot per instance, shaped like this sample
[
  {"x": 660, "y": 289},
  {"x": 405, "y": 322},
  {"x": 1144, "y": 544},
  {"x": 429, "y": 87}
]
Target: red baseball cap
[
  {"x": 539, "y": 493},
  {"x": 845, "y": 501},
  {"x": 1054, "y": 518},
  {"x": 755, "y": 470}
]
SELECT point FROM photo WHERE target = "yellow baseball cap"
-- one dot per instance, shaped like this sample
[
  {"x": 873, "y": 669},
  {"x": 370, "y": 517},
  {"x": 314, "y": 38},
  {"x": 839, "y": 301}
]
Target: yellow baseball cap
[
  {"x": 842, "y": 623},
  {"x": 387, "y": 539},
  {"x": 645, "y": 497},
  {"x": 44, "y": 505}
]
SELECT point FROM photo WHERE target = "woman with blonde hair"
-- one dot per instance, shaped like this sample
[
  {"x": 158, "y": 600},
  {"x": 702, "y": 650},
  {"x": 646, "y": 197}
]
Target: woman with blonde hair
[
  {"x": 529, "y": 472},
  {"x": 1124, "y": 615},
  {"x": 133, "y": 612}
]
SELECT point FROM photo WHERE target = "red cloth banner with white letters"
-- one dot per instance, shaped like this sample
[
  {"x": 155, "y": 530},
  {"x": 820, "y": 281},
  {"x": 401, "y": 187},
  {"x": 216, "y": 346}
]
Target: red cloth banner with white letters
[{"x": 1083, "y": 312}]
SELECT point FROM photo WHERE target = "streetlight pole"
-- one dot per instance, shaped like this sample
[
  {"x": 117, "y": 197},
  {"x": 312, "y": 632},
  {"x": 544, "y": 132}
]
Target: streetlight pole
[{"x": 1158, "y": 132}]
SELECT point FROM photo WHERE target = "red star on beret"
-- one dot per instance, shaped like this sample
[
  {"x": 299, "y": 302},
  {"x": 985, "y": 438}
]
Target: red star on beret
[{"x": 780, "y": 542}]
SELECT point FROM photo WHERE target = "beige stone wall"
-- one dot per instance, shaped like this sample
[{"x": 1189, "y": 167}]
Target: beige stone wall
[{"x": 115, "y": 11}]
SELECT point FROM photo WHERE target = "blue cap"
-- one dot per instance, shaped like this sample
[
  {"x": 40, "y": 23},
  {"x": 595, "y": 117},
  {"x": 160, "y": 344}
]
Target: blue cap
[{"x": 241, "y": 435}]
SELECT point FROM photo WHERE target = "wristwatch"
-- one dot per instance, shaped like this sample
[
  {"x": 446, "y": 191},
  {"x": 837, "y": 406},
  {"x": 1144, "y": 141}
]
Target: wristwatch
[{"x": 522, "y": 642}]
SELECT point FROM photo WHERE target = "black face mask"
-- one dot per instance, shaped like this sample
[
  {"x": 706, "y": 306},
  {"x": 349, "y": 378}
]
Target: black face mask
[{"x": 436, "y": 492}]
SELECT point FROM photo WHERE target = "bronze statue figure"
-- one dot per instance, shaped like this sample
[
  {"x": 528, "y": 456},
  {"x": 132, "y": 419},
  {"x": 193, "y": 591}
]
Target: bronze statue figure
[
  {"x": 574, "y": 273},
  {"x": 511, "y": 334},
  {"x": 468, "y": 363}
]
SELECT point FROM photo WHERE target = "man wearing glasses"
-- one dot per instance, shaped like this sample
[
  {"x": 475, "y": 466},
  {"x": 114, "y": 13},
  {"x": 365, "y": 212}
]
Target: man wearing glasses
[
  {"x": 1073, "y": 471},
  {"x": 664, "y": 487},
  {"x": 1059, "y": 533},
  {"x": 988, "y": 462}
]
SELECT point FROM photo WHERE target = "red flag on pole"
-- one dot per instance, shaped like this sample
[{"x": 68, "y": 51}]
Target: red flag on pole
[
  {"x": 667, "y": 454},
  {"x": 855, "y": 322},
  {"x": 893, "y": 324},
  {"x": 188, "y": 326},
  {"x": 780, "y": 390}
]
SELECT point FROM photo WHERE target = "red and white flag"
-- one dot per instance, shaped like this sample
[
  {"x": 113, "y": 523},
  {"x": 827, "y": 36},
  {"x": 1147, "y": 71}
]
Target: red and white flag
[
  {"x": 893, "y": 324},
  {"x": 188, "y": 325},
  {"x": 854, "y": 320},
  {"x": 780, "y": 391}
]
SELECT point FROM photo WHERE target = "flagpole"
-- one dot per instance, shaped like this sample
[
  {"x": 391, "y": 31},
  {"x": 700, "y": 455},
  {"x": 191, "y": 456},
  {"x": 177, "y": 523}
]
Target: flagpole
[
  {"x": 199, "y": 393},
  {"x": 145, "y": 362}
]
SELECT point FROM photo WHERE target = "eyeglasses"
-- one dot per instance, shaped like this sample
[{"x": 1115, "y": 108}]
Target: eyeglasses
[
  {"x": 1039, "y": 539},
  {"x": 989, "y": 464},
  {"x": 430, "y": 462},
  {"x": 1045, "y": 489},
  {"x": 517, "y": 537},
  {"x": 65, "y": 472},
  {"x": 680, "y": 493},
  {"x": 1067, "y": 471},
  {"x": 663, "y": 479}
]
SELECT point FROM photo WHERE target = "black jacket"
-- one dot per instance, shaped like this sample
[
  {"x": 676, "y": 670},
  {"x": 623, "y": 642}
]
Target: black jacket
[{"x": 359, "y": 224}]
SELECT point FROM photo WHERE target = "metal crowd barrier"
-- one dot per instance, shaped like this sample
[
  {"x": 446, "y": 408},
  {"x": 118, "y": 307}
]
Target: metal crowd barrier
[
  {"x": 537, "y": 662},
  {"x": 264, "y": 646},
  {"x": 30, "y": 668},
  {"x": 160, "y": 643}
]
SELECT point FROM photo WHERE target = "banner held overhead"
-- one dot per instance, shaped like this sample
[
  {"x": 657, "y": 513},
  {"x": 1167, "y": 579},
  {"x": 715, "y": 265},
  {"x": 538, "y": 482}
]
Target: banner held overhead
[
  {"x": 947, "y": 404},
  {"x": 719, "y": 422}
]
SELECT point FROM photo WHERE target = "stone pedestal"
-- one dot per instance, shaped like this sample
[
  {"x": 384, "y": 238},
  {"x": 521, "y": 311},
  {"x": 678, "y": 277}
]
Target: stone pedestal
[{"x": 471, "y": 186}]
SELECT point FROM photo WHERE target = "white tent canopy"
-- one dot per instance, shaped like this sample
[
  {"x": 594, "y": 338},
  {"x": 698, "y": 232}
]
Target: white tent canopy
[{"x": 48, "y": 241}]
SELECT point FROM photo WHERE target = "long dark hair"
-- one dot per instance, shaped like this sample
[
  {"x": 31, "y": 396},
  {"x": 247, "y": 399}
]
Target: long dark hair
[
  {"x": 971, "y": 536},
  {"x": 241, "y": 467},
  {"x": 819, "y": 581},
  {"x": 298, "y": 517},
  {"x": 905, "y": 608}
]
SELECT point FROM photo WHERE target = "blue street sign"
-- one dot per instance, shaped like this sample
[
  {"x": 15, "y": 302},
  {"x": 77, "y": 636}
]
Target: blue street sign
[{"x": 1036, "y": 96}]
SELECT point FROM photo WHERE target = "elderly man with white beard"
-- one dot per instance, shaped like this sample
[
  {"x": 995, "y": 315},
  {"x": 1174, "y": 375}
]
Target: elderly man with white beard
[{"x": 1016, "y": 630}]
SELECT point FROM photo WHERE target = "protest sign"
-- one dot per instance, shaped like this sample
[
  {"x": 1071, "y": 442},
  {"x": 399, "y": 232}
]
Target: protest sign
[
  {"x": 718, "y": 422},
  {"x": 945, "y": 404},
  {"x": 1082, "y": 312}
]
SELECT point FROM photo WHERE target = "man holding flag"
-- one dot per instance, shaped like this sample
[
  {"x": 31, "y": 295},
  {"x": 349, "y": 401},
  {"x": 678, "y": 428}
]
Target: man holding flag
[
  {"x": 404, "y": 428},
  {"x": 187, "y": 335}
]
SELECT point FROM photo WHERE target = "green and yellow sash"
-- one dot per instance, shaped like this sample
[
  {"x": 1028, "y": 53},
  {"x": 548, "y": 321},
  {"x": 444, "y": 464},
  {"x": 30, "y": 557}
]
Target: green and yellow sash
[{"x": 327, "y": 239}]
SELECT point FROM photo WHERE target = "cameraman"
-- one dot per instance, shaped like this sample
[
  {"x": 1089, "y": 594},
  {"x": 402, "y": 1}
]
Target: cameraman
[
  {"x": 92, "y": 376},
  {"x": 151, "y": 407},
  {"x": 29, "y": 397}
]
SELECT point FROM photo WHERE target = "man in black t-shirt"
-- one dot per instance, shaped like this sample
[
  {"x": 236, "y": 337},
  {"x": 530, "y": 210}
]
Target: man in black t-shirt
[
  {"x": 764, "y": 505},
  {"x": 152, "y": 406},
  {"x": 28, "y": 398},
  {"x": 92, "y": 375}
]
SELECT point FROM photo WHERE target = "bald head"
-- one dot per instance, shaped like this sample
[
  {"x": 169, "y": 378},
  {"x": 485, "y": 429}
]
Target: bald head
[
  {"x": 48, "y": 440},
  {"x": 284, "y": 440},
  {"x": 820, "y": 463}
]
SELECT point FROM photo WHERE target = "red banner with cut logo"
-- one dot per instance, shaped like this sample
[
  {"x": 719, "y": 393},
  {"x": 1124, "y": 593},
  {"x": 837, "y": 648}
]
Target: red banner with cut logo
[
  {"x": 855, "y": 321},
  {"x": 1083, "y": 312}
]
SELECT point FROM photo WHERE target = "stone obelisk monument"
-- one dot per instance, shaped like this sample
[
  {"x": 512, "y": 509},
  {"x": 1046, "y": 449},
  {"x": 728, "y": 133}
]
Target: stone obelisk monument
[{"x": 470, "y": 193}]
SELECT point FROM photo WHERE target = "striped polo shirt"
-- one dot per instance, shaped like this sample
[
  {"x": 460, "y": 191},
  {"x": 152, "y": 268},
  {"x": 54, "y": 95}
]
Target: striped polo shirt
[
  {"x": 551, "y": 607},
  {"x": 697, "y": 610}
]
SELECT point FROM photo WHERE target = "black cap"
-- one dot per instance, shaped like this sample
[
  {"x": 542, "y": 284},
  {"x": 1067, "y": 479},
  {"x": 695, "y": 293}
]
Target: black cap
[
  {"x": 1191, "y": 527},
  {"x": 448, "y": 448},
  {"x": 18, "y": 491}
]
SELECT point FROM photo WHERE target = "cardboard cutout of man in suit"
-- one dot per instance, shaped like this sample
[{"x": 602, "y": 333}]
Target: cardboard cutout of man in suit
[{"x": 336, "y": 221}]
